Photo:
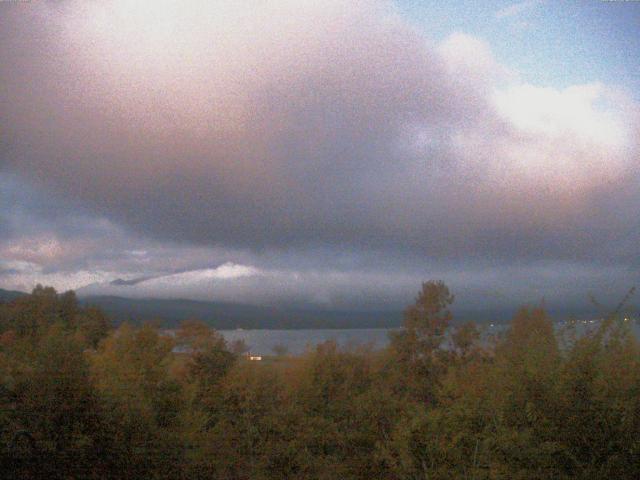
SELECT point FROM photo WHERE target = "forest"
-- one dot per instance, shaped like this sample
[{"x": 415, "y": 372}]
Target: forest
[{"x": 82, "y": 399}]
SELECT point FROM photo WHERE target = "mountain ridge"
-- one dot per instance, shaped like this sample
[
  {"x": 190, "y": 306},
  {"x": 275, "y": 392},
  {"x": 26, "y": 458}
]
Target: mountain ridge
[
  {"x": 9, "y": 295},
  {"x": 229, "y": 315},
  {"x": 169, "y": 312},
  {"x": 224, "y": 315}
]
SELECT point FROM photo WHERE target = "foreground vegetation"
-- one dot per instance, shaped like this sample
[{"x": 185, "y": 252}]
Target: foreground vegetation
[{"x": 81, "y": 400}]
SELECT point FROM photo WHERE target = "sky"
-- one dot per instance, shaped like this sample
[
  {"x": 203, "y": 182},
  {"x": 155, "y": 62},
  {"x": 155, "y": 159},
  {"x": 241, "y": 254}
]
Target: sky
[{"x": 333, "y": 154}]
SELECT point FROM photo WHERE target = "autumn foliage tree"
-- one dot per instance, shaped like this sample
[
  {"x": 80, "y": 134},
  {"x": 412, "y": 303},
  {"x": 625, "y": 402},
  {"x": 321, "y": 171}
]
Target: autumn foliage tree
[
  {"x": 418, "y": 344},
  {"x": 81, "y": 400}
]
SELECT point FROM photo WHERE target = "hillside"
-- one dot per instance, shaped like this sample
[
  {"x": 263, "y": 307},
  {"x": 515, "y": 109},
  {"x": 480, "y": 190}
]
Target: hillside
[
  {"x": 8, "y": 295},
  {"x": 223, "y": 315}
]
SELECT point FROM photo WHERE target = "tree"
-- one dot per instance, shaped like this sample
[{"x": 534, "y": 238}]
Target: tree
[
  {"x": 208, "y": 358},
  {"x": 417, "y": 344},
  {"x": 465, "y": 338},
  {"x": 239, "y": 346},
  {"x": 52, "y": 400},
  {"x": 31, "y": 315},
  {"x": 139, "y": 404},
  {"x": 280, "y": 350}
]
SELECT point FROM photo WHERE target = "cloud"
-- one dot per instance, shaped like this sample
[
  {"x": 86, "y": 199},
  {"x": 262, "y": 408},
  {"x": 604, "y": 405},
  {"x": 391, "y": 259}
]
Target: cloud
[
  {"x": 210, "y": 134},
  {"x": 110, "y": 261},
  {"x": 471, "y": 63},
  {"x": 481, "y": 289},
  {"x": 180, "y": 136}
]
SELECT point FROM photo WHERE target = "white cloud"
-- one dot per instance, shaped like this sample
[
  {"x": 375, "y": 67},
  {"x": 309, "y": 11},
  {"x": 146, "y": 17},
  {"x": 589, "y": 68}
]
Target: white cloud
[
  {"x": 25, "y": 276},
  {"x": 574, "y": 111},
  {"x": 568, "y": 141},
  {"x": 226, "y": 271},
  {"x": 471, "y": 60}
]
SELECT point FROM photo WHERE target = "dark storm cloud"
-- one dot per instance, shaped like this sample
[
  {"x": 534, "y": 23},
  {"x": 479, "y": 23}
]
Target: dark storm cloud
[
  {"x": 303, "y": 135},
  {"x": 73, "y": 250}
]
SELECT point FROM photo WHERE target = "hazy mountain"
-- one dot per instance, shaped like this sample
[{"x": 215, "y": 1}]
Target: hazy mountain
[
  {"x": 224, "y": 315},
  {"x": 227, "y": 315},
  {"x": 169, "y": 312},
  {"x": 8, "y": 295}
]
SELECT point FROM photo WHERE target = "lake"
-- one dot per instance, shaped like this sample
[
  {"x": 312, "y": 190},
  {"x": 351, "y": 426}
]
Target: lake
[{"x": 262, "y": 342}]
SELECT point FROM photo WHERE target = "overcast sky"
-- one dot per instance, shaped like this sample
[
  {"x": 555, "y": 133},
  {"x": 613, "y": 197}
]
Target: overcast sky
[{"x": 333, "y": 153}]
